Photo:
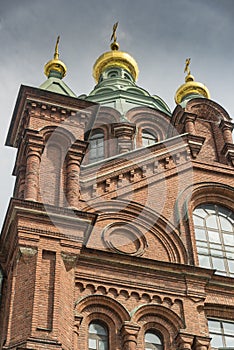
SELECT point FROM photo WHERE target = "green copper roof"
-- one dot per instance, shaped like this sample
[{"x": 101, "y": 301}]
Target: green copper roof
[
  {"x": 117, "y": 89},
  {"x": 55, "y": 83}
]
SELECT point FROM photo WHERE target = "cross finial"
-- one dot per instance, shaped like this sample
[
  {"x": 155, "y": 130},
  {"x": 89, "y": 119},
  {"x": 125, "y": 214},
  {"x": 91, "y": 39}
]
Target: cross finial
[
  {"x": 187, "y": 63},
  {"x": 113, "y": 36},
  {"x": 56, "y": 52},
  {"x": 114, "y": 45}
]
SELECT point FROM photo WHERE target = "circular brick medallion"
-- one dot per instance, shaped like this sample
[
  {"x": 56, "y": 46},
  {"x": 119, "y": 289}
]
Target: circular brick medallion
[{"x": 124, "y": 238}]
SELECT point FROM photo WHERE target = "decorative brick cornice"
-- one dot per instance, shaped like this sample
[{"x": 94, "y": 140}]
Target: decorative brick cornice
[
  {"x": 51, "y": 107},
  {"x": 140, "y": 163}
]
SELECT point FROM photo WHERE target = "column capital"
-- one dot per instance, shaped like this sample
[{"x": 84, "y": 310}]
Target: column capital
[
  {"x": 124, "y": 133},
  {"x": 129, "y": 333},
  {"x": 184, "y": 341},
  {"x": 33, "y": 137},
  {"x": 228, "y": 151},
  {"x": 124, "y": 130},
  {"x": 77, "y": 151},
  {"x": 26, "y": 253},
  {"x": 34, "y": 143},
  {"x": 195, "y": 144},
  {"x": 201, "y": 343},
  {"x": 225, "y": 124}
]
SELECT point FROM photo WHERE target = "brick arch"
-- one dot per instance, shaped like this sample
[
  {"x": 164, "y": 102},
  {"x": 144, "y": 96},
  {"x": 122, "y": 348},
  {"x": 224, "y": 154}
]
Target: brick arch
[
  {"x": 160, "y": 311},
  {"x": 160, "y": 327},
  {"x": 58, "y": 134},
  {"x": 104, "y": 309},
  {"x": 159, "y": 318},
  {"x": 107, "y": 115},
  {"x": 103, "y": 304},
  {"x": 153, "y": 120},
  {"x": 103, "y": 317},
  {"x": 58, "y": 141},
  {"x": 146, "y": 220},
  {"x": 207, "y": 109},
  {"x": 213, "y": 193},
  {"x": 199, "y": 193}
]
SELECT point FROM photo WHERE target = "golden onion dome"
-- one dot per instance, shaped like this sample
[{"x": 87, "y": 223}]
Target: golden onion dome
[
  {"x": 190, "y": 87},
  {"x": 55, "y": 64},
  {"x": 115, "y": 58}
]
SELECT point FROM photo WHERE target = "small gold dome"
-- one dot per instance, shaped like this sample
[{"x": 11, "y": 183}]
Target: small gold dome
[
  {"x": 190, "y": 87},
  {"x": 55, "y": 64}
]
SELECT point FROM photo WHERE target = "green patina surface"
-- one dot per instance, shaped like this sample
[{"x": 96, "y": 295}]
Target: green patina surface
[
  {"x": 116, "y": 88},
  {"x": 55, "y": 83}
]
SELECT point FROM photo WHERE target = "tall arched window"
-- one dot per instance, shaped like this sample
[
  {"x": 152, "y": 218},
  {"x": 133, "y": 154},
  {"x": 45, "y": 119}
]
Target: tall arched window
[
  {"x": 98, "y": 336},
  {"x": 214, "y": 232},
  {"x": 153, "y": 341},
  {"x": 96, "y": 146},
  {"x": 148, "y": 138}
]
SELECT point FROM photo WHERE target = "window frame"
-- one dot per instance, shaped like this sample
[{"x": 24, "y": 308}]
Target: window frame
[
  {"x": 98, "y": 338},
  {"x": 222, "y": 334},
  {"x": 152, "y": 137},
  {"x": 97, "y": 158},
  {"x": 152, "y": 345},
  {"x": 213, "y": 250}
]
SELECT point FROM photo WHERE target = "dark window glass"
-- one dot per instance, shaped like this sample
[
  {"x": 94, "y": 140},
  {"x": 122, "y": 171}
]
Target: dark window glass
[
  {"x": 98, "y": 336},
  {"x": 214, "y": 232},
  {"x": 148, "y": 138},
  {"x": 221, "y": 333},
  {"x": 153, "y": 341},
  {"x": 96, "y": 147}
]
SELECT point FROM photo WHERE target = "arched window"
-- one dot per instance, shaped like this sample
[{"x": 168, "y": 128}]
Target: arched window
[
  {"x": 214, "y": 232},
  {"x": 148, "y": 138},
  {"x": 96, "y": 146},
  {"x": 153, "y": 341},
  {"x": 98, "y": 336}
]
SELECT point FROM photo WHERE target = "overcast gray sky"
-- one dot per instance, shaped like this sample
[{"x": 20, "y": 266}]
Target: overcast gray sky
[{"x": 159, "y": 34}]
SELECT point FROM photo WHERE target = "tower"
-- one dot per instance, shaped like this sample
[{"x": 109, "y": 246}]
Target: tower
[{"x": 119, "y": 234}]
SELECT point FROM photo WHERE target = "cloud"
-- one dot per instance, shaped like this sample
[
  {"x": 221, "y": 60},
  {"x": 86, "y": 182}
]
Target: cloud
[{"x": 160, "y": 34}]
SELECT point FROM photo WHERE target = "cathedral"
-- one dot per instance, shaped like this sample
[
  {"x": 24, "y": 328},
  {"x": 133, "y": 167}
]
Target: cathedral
[{"x": 120, "y": 231}]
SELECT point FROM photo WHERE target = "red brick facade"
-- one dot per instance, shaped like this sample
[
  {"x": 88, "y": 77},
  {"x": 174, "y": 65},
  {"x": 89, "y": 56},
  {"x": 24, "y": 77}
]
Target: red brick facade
[{"x": 112, "y": 241}]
